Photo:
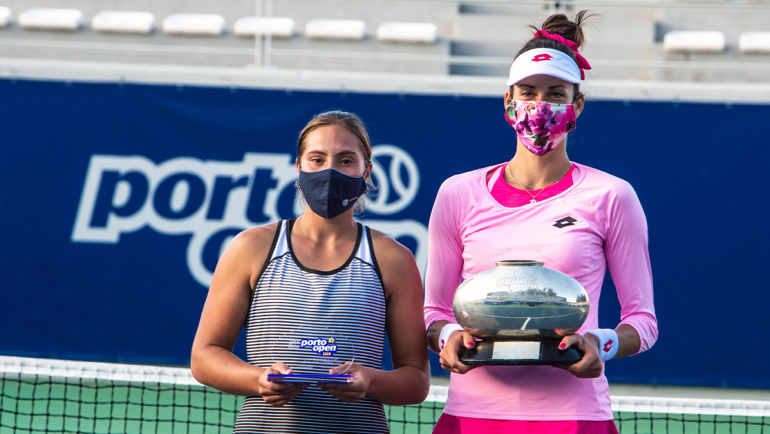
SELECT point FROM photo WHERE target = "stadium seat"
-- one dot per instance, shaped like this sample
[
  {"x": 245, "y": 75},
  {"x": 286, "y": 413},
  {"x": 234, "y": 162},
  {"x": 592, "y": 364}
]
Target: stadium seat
[
  {"x": 5, "y": 17},
  {"x": 691, "y": 41},
  {"x": 423, "y": 33},
  {"x": 754, "y": 42},
  {"x": 194, "y": 24},
  {"x": 276, "y": 27},
  {"x": 354, "y": 30},
  {"x": 51, "y": 19},
  {"x": 123, "y": 22}
]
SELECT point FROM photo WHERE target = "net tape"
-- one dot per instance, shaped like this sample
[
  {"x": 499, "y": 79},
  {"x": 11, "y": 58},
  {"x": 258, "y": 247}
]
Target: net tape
[{"x": 96, "y": 371}]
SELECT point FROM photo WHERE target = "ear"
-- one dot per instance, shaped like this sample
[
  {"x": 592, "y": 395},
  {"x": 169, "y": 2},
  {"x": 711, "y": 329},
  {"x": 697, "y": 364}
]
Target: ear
[
  {"x": 507, "y": 100},
  {"x": 579, "y": 103},
  {"x": 296, "y": 163},
  {"x": 368, "y": 171}
]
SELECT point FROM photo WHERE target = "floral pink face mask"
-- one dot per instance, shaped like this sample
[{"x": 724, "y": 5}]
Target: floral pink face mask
[{"x": 540, "y": 125}]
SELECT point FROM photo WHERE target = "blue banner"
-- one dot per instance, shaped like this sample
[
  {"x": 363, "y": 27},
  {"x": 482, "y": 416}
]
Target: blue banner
[{"x": 118, "y": 200}]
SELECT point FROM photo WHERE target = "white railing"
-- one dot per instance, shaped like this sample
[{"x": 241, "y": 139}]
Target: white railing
[{"x": 372, "y": 56}]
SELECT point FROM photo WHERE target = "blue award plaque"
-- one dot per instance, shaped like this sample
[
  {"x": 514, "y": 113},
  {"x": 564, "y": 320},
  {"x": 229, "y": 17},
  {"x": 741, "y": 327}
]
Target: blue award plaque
[{"x": 310, "y": 351}]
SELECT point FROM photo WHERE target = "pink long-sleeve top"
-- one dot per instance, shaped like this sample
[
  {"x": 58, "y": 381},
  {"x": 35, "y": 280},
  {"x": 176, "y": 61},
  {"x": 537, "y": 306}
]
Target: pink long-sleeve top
[{"x": 595, "y": 224}]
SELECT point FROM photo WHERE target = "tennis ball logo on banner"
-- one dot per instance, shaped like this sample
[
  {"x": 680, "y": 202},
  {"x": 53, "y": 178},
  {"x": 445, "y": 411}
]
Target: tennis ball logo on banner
[{"x": 214, "y": 200}]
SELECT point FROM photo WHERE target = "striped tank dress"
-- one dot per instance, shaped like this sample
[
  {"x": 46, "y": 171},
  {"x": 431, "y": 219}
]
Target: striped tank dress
[{"x": 293, "y": 301}]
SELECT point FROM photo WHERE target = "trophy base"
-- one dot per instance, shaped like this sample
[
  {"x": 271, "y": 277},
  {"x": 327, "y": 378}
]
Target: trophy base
[
  {"x": 310, "y": 378},
  {"x": 520, "y": 353}
]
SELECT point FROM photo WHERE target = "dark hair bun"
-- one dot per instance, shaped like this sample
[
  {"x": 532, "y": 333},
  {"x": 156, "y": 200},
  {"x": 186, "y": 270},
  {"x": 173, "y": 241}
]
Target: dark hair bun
[{"x": 559, "y": 24}]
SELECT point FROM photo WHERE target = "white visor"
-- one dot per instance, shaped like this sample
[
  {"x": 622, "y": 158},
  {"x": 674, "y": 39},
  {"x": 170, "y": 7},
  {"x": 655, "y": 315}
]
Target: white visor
[{"x": 546, "y": 61}]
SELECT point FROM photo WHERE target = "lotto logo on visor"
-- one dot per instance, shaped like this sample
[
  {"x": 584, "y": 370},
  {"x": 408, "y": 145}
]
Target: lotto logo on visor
[{"x": 542, "y": 57}]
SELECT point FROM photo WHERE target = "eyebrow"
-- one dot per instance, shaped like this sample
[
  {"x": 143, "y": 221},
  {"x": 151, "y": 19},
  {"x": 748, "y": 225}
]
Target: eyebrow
[{"x": 339, "y": 153}]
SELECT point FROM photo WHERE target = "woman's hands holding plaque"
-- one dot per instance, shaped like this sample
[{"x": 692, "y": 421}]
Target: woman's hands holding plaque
[
  {"x": 349, "y": 392},
  {"x": 450, "y": 354},
  {"x": 627, "y": 344},
  {"x": 590, "y": 366},
  {"x": 278, "y": 394}
]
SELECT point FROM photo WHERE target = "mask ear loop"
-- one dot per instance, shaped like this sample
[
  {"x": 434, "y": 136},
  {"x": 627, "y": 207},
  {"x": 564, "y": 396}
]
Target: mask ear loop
[
  {"x": 296, "y": 183},
  {"x": 577, "y": 93},
  {"x": 370, "y": 187},
  {"x": 510, "y": 105}
]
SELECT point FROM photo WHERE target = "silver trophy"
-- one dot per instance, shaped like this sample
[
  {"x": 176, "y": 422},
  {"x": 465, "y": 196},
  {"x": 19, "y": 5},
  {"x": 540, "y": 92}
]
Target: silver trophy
[{"x": 520, "y": 310}]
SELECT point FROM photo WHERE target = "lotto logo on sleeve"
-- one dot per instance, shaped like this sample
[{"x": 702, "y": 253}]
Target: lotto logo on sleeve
[{"x": 322, "y": 347}]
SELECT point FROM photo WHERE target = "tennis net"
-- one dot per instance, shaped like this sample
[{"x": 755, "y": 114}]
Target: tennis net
[{"x": 55, "y": 396}]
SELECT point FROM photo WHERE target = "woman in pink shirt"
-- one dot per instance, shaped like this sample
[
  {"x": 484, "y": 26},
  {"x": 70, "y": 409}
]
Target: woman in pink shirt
[{"x": 542, "y": 206}]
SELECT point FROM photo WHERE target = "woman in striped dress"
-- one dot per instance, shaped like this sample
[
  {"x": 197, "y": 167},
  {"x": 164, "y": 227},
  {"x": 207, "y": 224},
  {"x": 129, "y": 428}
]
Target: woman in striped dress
[{"x": 321, "y": 271}]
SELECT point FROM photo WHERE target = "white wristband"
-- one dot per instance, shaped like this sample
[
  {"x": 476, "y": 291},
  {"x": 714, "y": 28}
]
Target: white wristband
[
  {"x": 446, "y": 332},
  {"x": 608, "y": 342}
]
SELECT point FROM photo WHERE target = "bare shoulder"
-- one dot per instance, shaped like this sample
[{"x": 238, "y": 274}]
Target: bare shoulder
[
  {"x": 256, "y": 236},
  {"x": 389, "y": 250},
  {"x": 241, "y": 263},
  {"x": 397, "y": 267},
  {"x": 396, "y": 262},
  {"x": 251, "y": 245}
]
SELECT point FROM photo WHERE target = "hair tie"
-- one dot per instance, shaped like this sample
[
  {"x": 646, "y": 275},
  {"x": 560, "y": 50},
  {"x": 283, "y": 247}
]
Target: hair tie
[{"x": 581, "y": 61}]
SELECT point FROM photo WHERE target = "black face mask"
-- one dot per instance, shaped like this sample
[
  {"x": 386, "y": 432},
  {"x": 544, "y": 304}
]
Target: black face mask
[{"x": 329, "y": 192}]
